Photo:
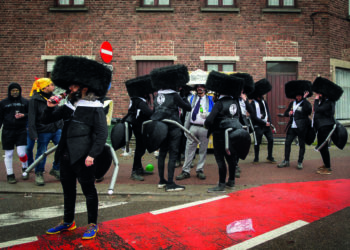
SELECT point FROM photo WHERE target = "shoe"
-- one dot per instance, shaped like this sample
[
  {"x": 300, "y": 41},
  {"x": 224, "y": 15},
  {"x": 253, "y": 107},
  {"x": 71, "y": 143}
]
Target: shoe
[
  {"x": 11, "y": 179},
  {"x": 90, "y": 232},
  {"x": 322, "y": 167},
  {"x": 201, "y": 175},
  {"x": 219, "y": 188},
  {"x": 230, "y": 184},
  {"x": 183, "y": 175},
  {"x": 25, "y": 177},
  {"x": 324, "y": 171},
  {"x": 143, "y": 172},
  {"x": 192, "y": 165},
  {"x": 177, "y": 163},
  {"x": 39, "y": 179},
  {"x": 237, "y": 173},
  {"x": 300, "y": 165},
  {"x": 162, "y": 184},
  {"x": 238, "y": 169},
  {"x": 55, "y": 173},
  {"x": 173, "y": 187},
  {"x": 271, "y": 160},
  {"x": 136, "y": 177},
  {"x": 63, "y": 226},
  {"x": 283, "y": 164},
  {"x": 100, "y": 179},
  {"x": 255, "y": 161}
]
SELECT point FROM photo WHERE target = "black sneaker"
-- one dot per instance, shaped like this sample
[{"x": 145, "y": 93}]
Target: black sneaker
[
  {"x": 271, "y": 160},
  {"x": 230, "y": 184},
  {"x": 283, "y": 164},
  {"x": 162, "y": 184},
  {"x": 237, "y": 174},
  {"x": 300, "y": 165},
  {"x": 11, "y": 179},
  {"x": 143, "y": 172},
  {"x": 219, "y": 188},
  {"x": 55, "y": 173},
  {"x": 201, "y": 175},
  {"x": 136, "y": 177},
  {"x": 173, "y": 187},
  {"x": 255, "y": 161},
  {"x": 183, "y": 175}
]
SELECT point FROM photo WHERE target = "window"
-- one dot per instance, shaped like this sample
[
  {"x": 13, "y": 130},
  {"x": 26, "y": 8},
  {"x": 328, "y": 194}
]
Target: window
[
  {"x": 221, "y": 67},
  {"x": 220, "y": 3},
  {"x": 152, "y": 3},
  {"x": 69, "y": 3},
  {"x": 281, "y": 3},
  {"x": 342, "y": 109}
]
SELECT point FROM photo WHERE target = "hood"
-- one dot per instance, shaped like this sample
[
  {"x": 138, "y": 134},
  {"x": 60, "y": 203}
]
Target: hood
[{"x": 14, "y": 85}]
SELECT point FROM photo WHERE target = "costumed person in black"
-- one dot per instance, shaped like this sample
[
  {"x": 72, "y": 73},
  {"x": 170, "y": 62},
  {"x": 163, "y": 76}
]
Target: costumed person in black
[
  {"x": 245, "y": 106},
  {"x": 261, "y": 119},
  {"x": 224, "y": 115},
  {"x": 13, "y": 118},
  {"x": 298, "y": 112},
  {"x": 139, "y": 90},
  {"x": 327, "y": 93},
  {"x": 84, "y": 134},
  {"x": 167, "y": 80}
]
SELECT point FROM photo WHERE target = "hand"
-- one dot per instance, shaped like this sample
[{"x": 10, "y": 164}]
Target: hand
[
  {"x": 306, "y": 93},
  {"x": 203, "y": 115},
  {"x": 89, "y": 161},
  {"x": 291, "y": 113},
  {"x": 50, "y": 104},
  {"x": 19, "y": 115},
  {"x": 268, "y": 124}
]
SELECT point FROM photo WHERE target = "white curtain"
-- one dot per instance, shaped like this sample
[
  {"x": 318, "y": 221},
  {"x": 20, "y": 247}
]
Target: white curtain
[
  {"x": 342, "y": 108},
  {"x": 288, "y": 2},
  {"x": 213, "y": 2},
  {"x": 274, "y": 2}
]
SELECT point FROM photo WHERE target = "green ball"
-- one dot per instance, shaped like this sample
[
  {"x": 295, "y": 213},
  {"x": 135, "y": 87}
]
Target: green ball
[{"x": 149, "y": 168}]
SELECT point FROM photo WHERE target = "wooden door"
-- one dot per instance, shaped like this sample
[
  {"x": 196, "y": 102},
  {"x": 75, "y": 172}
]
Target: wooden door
[
  {"x": 145, "y": 67},
  {"x": 276, "y": 98}
]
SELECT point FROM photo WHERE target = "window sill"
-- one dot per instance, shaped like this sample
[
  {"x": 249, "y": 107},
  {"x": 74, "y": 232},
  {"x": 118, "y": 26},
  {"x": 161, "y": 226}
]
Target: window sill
[
  {"x": 69, "y": 9},
  {"x": 281, "y": 10},
  {"x": 218, "y": 9},
  {"x": 154, "y": 9}
]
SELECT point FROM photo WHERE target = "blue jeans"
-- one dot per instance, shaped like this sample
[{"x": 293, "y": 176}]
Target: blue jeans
[
  {"x": 43, "y": 142},
  {"x": 30, "y": 148}
]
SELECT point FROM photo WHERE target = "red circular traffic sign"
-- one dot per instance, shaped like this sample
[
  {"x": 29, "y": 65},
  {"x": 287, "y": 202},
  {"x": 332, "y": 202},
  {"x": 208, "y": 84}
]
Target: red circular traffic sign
[{"x": 106, "y": 52}]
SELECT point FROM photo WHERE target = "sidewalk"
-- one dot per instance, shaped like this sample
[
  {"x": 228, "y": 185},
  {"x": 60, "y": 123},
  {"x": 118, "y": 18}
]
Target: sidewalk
[{"x": 251, "y": 176}]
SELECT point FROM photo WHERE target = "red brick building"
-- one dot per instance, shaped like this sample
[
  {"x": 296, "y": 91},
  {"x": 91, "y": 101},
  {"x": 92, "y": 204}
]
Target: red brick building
[{"x": 277, "y": 39}]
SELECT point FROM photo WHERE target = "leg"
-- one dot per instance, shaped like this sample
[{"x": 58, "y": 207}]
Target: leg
[
  {"x": 219, "y": 153},
  {"x": 258, "y": 135},
  {"x": 191, "y": 147},
  {"x": 174, "y": 143},
  {"x": 269, "y": 137},
  {"x": 202, "y": 136},
  {"x": 8, "y": 161},
  {"x": 21, "y": 152},
  {"x": 43, "y": 141},
  {"x": 30, "y": 148},
  {"x": 56, "y": 139}
]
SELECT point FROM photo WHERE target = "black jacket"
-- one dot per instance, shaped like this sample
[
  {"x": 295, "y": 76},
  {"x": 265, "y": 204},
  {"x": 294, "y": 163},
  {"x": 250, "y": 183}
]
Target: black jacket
[
  {"x": 8, "y": 108},
  {"x": 257, "y": 121},
  {"x": 222, "y": 116},
  {"x": 167, "y": 106},
  {"x": 84, "y": 132},
  {"x": 324, "y": 113},
  {"x": 301, "y": 115},
  {"x": 37, "y": 105},
  {"x": 138, "y": 112}
]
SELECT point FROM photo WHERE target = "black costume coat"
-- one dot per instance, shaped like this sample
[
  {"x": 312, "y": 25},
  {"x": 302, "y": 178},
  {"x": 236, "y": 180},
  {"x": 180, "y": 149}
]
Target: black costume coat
[
  {"x": 301, "y": 115},
  {"x": 257, "y": 121},
  {"x": 324, "y": 113},
  {"x": 84, "y": 132}
]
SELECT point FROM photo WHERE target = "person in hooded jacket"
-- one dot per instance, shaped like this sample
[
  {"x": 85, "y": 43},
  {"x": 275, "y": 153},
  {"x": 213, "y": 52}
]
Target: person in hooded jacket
[
  {"x": 13, "y": 120},
  {"x": 41, "y": 91},
  {"x": 298, "y": 112}
]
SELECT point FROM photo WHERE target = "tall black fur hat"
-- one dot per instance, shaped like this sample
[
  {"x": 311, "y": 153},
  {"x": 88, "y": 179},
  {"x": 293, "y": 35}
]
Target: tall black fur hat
[
  {"x": 262, "y": 87},
  {"x": 139, "y": 86},
  {"x": 327, "y": 88},
  {"x": 225, "y": 84},
  {"x": 169, "y": 77},
  {"x": 81, "y": 71},
  {"x": 297, "y": 87},
  {"x": 248, "y": 82}
]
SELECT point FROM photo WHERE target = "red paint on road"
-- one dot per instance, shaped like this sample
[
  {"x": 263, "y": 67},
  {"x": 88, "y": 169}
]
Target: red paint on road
[{"x": 204, "y": 226}]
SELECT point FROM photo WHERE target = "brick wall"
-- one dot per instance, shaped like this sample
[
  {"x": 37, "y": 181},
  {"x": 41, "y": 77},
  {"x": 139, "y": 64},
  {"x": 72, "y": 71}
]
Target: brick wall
[{"x": 29, "y": 30}]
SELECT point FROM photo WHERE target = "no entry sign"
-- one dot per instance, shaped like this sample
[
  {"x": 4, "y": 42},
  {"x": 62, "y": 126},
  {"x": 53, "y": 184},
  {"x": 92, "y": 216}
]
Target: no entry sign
[{"x": 106, "y": 52}]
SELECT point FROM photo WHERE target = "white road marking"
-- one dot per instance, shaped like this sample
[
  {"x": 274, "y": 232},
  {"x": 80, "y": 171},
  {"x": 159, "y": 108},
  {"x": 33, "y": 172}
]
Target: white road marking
[
  {"x": 169, "y": 209},
  {"x": 268, "y": 236},
  {"x": 17, "y": 242},
  {"x": 46, "y": 213}
]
